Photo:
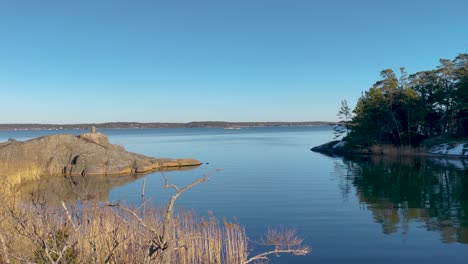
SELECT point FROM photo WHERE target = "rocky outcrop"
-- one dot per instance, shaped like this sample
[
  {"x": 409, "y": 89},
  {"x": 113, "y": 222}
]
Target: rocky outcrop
[
  {"x": 86, "y": 154},
  {"x": 335, "y": 147}
]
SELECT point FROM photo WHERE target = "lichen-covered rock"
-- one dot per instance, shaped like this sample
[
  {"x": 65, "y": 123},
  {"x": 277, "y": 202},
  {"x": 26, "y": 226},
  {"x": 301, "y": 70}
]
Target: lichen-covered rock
[
  {"x": 86, "y": 154},
  {"x": 95, "y": 137}
]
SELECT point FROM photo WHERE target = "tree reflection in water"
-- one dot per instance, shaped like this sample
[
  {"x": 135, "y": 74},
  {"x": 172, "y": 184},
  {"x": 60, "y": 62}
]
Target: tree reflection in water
[{"x": 399, "y": 191}]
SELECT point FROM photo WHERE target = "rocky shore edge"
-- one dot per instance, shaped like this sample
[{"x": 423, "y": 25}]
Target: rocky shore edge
[
  {"x": 83, "y": 155},
  {"x": 448, "y": 150}
]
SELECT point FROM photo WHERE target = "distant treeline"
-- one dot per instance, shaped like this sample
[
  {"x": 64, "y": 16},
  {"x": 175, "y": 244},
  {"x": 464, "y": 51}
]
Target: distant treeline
[
  {"x": 408, "y": 109},
  {"x": 117, "y": 125}
]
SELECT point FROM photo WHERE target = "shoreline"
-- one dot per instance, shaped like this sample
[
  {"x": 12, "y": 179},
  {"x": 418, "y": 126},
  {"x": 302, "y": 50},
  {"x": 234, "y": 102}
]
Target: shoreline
[
  {"x": 88, "y": 154},
  {"x": 330, "y": 148}
]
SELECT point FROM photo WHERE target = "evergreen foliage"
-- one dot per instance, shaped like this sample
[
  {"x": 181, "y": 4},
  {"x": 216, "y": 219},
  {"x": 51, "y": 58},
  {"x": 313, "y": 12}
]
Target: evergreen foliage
[
  {"x": 407, "y": 109},
  {"x": 341, "y": 128}
]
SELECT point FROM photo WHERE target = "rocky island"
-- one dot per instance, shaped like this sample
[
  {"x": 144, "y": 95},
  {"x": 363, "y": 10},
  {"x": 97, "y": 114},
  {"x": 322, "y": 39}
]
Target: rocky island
[
  {"x": 447, "y": 149},
  {"x": 83, "y": 155}
]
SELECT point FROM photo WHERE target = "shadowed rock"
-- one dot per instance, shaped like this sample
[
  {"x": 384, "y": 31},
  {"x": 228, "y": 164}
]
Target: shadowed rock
[
  {"x": 335, "y": 147},
  {"x": 86, "y": 154}
]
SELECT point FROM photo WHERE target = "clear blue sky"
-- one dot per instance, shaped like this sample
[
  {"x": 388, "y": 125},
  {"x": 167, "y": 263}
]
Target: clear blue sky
[{"x": 240, "y": 60}]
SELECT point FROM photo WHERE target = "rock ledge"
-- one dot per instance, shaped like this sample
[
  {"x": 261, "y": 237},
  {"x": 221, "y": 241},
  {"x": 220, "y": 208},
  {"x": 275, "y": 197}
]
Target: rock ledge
[{"x": 86, "y": 154}]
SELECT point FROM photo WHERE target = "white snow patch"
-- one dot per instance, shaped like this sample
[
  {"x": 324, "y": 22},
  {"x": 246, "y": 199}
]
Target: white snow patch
[
  {"x": 340, "y": 144},
  {"x": 446, "y": 149}
]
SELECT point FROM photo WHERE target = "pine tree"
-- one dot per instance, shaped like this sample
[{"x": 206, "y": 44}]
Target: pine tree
[{"x": 344, "y": 115}]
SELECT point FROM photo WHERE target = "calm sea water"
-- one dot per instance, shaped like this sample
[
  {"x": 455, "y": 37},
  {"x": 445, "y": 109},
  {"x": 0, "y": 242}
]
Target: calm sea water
[{"x": 364, "y": 210}]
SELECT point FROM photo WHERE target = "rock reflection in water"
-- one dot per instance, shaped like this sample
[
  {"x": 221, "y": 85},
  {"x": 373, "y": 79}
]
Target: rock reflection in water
[
  {"x": 400, "y": 191},
  {"x": 72, "y": 189}
]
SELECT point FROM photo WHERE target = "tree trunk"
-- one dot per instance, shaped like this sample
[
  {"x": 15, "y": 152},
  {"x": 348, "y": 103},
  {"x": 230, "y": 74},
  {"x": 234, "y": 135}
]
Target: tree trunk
[
  {"x": 409, "y": 130},
  {"x": 397, "y": 128},
  {"x": 167, "y": 237},
  {"x": 167, "y": 234}
]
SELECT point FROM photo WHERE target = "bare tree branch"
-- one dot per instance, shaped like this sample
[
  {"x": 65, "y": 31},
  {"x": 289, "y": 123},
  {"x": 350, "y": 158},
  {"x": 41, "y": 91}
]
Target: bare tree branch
[
  {"x": 69, "y": 217},
  {"x": 167, "y": 185},
  {"x": 283, "y": 241},
  {"x": 135, "y": 215},
  {"x": 298, "y": 252},
  {"x": 167, "y": 236}
]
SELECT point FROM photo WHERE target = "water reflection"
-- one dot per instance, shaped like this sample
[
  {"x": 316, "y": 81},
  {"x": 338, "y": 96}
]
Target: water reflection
[
  {"x": 402, "y": 191},
  {"x": 72, "y": 189}
]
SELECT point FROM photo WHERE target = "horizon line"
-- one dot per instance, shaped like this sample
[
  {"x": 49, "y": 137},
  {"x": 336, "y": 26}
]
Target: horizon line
[{"x": 163, "y": 122}]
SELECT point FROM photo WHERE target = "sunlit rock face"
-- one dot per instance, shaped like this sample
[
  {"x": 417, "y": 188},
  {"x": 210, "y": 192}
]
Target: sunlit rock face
[{"x": 65, "y": 154}]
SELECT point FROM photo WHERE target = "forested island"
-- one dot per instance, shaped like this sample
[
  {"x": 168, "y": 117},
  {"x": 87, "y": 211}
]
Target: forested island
[
  {"x": 123, "y": 125},
  {"x": 414, "y": 112}
]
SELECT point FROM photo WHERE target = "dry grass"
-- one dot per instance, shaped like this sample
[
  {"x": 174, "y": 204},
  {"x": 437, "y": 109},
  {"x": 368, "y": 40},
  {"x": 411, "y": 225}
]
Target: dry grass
[
  {"x": 20, "y": 172},
  {"x": 36, "y": 232},
  {"x": 99, "y": 233},
  {"x": 209, "y": 241},
  {"x": 391, "y": 150}
]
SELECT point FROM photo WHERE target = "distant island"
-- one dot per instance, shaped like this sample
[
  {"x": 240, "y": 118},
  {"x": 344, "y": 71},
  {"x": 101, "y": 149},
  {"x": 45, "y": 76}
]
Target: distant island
[{"x": 137, "y": 125}]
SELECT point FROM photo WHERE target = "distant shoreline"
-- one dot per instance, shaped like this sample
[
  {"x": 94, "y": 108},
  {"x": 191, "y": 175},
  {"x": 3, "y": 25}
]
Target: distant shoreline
[{"x": 137, "y": 125}]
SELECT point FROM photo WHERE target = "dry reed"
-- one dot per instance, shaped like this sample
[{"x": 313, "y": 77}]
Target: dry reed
[
  {"x": 99, "y": 233},
  {"x": 37, "y": 232},
  {"x": 391, "y": 150},
  {"x": 20, "y": 172}
]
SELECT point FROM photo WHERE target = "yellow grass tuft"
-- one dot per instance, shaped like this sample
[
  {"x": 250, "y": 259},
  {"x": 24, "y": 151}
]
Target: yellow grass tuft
[{"x": 20, "y": 172}]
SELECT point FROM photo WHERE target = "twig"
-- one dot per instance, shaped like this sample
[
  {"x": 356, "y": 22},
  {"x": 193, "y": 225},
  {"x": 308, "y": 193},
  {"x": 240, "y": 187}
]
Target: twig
[
  {"x": 137, "y": 217},
  {"x": 298, "y": 252},
  {"x": 143, "y": 189},
  {"x": 167, "y": 185},
  {"x": 69, "y": 217}
]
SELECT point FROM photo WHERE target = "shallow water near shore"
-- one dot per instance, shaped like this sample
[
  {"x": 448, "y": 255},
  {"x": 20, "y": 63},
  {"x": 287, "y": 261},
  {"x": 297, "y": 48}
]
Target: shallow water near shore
[{"x": 360, "y": 210}]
